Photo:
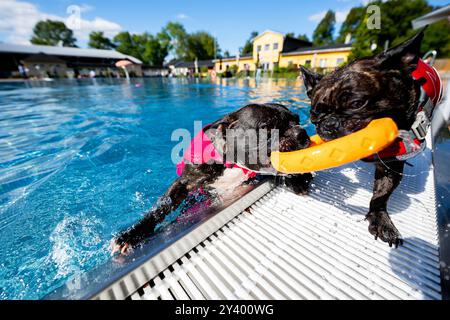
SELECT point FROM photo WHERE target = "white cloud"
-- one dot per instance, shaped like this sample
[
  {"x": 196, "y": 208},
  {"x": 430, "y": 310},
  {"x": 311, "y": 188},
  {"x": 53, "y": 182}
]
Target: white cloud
[
  {"x": 317, "y": 16},
  {"x": 182, "y": 16},
  {"x": 17, "y": 19},
  {"x": 109, "y": 28},
  {"x": 86, "y": 8},
  {"x": 340, "y": 16}
]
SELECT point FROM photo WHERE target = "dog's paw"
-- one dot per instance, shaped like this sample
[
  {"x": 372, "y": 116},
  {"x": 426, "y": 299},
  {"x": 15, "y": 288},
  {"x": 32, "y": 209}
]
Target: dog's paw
[
  {"x": 120, "y": 244},
  {"x": 299, "y": 183},
  {"x": 381, "y": 226},
  {"x": 121, "y": 249}
]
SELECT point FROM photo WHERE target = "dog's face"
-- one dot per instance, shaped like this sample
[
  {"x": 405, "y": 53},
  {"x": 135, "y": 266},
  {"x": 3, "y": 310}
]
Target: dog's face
[
  {"x": 240, "y": 135},
  {"x": 346, "y": 100}
]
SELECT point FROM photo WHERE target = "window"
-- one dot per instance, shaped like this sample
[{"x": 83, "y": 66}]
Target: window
[
  {"x": 323, "y": 63},
  {"x": 258, "y": 48},
  {"x": 339, "y": 61},
  {"x": 267, "y": 47},
  {"x": 275, "y": 46},
  {"x": 307, "y": 62}
]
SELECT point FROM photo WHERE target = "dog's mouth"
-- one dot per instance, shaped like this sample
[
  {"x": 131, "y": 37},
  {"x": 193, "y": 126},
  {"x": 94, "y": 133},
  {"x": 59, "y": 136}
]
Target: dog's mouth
[
  {"x": 291, "y": 144},
  {"x": 333, "y": 128}
]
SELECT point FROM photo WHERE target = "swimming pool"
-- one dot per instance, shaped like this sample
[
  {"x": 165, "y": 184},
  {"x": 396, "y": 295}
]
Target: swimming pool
[{"x": 82, "y": 159}]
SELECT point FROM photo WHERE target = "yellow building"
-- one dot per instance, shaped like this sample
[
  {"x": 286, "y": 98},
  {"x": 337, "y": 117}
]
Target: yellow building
[
  {"x": 273, "y": 49},
  {"x": 325, "y": 58}
]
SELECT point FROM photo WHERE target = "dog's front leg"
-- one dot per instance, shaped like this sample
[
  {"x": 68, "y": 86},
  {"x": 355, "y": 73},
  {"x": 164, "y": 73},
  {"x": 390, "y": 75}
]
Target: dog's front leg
[
  {"x": 387, "y": 178},
  {"x": 173, "y": 197}
]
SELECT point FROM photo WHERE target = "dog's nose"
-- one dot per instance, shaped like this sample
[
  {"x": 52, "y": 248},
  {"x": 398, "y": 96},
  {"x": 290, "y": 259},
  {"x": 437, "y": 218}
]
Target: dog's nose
[
  {"x": 329, "y": 128},
  {"x": 331, "y": 124}
]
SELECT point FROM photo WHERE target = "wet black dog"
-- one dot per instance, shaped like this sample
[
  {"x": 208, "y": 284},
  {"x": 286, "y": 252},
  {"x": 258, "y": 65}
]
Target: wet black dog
[
  {"x": 349, "y": 98},
  {"x": 215, "y": 178}
]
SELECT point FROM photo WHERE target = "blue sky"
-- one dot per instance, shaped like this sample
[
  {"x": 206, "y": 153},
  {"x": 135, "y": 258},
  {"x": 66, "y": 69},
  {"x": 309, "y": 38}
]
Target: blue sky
[{"x": 230, "y": 21}]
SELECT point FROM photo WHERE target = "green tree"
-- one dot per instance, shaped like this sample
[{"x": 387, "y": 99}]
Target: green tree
[
  {"x": 303, "y": 37},
  {"x": 164, "y": 40},
  {"x": 248, "y": 46},
  {"x": 396, "y": 18},
  {"x": 155, "y": 51},
  {"x": 178, "y": 36},
  {"x": 53, "y": 33},
  {"x": 300, "y": 36},
  {"x": 152, "y": 50},
  {"x": 437, "y": 37},
  {"x": 201, "y": 45},
  {"x": 364, "y": 38},
  {"x": 351, "y": 23},
  {"x": 323, "y": 34},
  {"x": 97, "y": 40},
  {"x": 126, "y": 44}
]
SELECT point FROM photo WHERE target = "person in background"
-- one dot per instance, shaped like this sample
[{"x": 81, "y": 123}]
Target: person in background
[
  {"x": 23, "y": 71},
  {"x": 228, "y": 72},
  {"x": 247, "y": 70}
]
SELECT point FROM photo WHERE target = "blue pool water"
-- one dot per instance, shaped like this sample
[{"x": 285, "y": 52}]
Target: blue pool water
[{"x": 81, "y": 160}]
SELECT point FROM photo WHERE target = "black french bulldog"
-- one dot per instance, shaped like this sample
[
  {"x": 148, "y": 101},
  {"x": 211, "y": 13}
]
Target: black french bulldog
[
  {"x": 346, "y": 101},
  {"x": 213, "y": 177}
]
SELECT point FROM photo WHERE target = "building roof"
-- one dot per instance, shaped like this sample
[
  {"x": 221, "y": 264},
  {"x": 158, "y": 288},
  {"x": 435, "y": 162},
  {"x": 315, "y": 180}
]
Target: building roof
[
  {"x": 66, "y": 51},
  {"x": 172, "y": 62},
  {"x": 190, "y": 64},
  {"x": 244, "y": 56},
  {"x": 326, "y": 48},
  {"x": 42, "y": 58},
  {"x": 432, "y": 17},
  {"x": 290, "y": 44},
  {"x": 267, "y": 31}
]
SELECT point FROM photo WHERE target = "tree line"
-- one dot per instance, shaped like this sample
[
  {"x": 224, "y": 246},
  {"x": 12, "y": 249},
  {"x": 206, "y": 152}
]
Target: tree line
[
  {"x": 396, "y": 17},
  {"x": 152, "y": 49}
]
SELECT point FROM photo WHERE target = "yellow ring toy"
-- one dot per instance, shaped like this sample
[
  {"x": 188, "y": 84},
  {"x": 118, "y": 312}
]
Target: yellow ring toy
[{"x": 323, "y": 155}]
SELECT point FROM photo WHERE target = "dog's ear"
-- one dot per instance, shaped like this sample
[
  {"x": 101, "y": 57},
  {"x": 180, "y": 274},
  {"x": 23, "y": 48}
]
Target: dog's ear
[
  {"x": 225, "y": 123},
  {"x": 406, "y": 53},
  {"x": 310, "y": 79}
]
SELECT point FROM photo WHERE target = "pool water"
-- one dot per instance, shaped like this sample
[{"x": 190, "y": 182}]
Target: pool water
[{"x": 81, "y": 160}]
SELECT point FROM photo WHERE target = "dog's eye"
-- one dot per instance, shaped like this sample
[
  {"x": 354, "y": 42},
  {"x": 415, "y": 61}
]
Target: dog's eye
[{"x": 358, "y": 104}]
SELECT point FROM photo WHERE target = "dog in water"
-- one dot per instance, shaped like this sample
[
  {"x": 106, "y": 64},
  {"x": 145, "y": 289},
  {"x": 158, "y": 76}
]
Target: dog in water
[
  {"x": 214, "y": 175},
  {"x": 346, "y": 101}
]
